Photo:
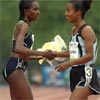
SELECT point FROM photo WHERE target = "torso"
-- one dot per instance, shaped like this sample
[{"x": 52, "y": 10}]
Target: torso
[
  {"x": 28, "y": 41},
  {"x": 77, "y": 42}
]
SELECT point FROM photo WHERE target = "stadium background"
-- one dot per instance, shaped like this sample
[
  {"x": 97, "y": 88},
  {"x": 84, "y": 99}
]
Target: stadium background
[{"x": 50, "y": 23}]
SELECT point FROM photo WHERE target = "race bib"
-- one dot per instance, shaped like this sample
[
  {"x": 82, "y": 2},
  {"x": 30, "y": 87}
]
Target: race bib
[
  {"x": 88, "y": 74},
  {"x": 73, "y": 48}
]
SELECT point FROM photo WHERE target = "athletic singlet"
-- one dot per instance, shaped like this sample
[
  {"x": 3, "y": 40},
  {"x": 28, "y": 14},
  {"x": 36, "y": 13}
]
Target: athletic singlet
[
  {"x": 77, "y": 46},
  {"x": 28, "y": 39}
]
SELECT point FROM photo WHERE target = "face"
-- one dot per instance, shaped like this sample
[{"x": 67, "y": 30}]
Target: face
[
  {"x": 33, "y": 13},
  {"x": 71, "y": 14}
]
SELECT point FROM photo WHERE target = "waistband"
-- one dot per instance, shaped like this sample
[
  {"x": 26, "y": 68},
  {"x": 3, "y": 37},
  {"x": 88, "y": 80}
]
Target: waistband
[
  {"x": 19, "y": 59},
  {"x": 81, "y": 66}
]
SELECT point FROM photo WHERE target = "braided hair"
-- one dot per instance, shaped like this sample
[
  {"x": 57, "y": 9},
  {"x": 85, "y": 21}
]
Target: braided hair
[{"x": 83, "y": 5}]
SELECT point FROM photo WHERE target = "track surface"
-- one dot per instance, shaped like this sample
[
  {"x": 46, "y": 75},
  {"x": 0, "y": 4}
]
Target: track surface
[{"x": 44, "y": 93}]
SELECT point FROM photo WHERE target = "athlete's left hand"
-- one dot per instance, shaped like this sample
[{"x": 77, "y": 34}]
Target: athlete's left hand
[{"x": 63, "y": 66}]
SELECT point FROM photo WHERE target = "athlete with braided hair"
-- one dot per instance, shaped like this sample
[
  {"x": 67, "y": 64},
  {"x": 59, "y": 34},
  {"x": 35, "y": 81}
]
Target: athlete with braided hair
[{"x": 21, "y": 51}]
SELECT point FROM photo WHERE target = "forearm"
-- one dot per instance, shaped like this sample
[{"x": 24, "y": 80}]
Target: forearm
[
  {"x": 35, "y": 57},
  {"x": 26, "y": 51},
  {"x": 81, "y": 60},
  {"x": 62, "y": 54}
]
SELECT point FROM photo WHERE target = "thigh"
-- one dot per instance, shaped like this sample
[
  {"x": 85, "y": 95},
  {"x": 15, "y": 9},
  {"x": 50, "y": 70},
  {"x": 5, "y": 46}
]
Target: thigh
[
  {"x": 12, "y": 94},
  {"x": 81, "y": 93},
  {"x": 19, "y": 84}
]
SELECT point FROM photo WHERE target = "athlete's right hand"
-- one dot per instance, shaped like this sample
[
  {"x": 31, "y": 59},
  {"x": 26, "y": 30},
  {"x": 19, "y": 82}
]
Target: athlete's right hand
[{"x": 49, "y": 55}]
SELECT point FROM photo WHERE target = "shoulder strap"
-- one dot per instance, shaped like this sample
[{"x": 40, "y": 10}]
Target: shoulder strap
[
  {"x": 80, "y": 34},
  {"x": 80, "y": 29}
]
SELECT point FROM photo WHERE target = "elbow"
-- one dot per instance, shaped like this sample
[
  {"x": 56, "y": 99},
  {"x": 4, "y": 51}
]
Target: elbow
[
  {"x": 91, "y": 56},
  {"x": 18, "y": 49}
]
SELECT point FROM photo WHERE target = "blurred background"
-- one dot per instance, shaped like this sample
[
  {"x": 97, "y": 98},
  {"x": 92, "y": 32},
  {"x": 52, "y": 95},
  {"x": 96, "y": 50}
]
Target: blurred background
[{"x": 51, "y": 22}]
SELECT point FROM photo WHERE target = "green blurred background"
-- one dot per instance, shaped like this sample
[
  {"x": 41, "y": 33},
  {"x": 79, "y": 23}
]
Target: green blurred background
[{"x": 51, "y": 22}]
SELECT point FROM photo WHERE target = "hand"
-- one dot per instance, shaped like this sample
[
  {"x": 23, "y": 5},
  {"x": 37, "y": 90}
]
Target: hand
[
  {"x": 49, "y": 55},
  {"x": 62, "y": 67}
]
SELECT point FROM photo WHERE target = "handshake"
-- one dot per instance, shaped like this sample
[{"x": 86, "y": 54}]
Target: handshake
[{"x": 50, "y": 48}]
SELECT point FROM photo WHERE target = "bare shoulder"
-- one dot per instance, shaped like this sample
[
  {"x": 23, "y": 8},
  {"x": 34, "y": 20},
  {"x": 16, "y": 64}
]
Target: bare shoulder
[
  {"x": 22, "y": 24},
  {"x": 88, "y": 32},
  {"x": 87, "y": 27},
  {"x": 21, "y": 27}
]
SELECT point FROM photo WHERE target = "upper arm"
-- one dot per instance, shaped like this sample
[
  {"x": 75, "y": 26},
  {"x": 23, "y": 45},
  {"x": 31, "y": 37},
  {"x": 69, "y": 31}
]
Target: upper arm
[
  {"x": 89, "y": 38},
  {"x": 23, "y": 29}
]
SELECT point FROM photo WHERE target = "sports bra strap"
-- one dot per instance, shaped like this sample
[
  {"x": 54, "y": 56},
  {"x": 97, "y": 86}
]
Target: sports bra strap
[{"x": 81, "y": 28}]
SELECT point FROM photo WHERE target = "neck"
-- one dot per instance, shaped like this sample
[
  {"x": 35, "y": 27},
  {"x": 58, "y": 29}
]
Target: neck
[
  {"x": 28, "y": 21},
  {"x": 77, "y": 24}
]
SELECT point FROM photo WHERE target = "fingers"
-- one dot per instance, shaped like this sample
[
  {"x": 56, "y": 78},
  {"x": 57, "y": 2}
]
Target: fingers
[
  {"x": 49, "y": 55},
  {"x": 62, "y": 67},
  {"x": 59, "y": 68}
]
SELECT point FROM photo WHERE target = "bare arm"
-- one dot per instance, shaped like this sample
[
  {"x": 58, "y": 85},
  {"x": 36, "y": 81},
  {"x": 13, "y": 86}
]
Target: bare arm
[
  {"x": 89, "y": 39},
  {"x": 19, "y": 48},
  {"x": 61, "y": 54},
  {"x": 35, "y": 58}
]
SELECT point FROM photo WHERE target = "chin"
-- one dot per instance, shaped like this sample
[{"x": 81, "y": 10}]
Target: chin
[
  {"x": 70, "y": 21},
  {"x": 35, "y": 19}
]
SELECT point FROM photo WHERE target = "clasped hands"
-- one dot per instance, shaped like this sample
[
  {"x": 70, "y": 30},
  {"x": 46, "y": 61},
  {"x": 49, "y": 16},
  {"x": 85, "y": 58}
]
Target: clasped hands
[
  {"x": 61, "y": 67},
  {"x": 49, "y": 55}
]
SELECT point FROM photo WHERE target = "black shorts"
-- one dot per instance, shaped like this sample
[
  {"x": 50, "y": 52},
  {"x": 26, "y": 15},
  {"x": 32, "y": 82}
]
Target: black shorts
[
  {"x": 81, "y": 77},
  {"x": 12, "y": 65}
]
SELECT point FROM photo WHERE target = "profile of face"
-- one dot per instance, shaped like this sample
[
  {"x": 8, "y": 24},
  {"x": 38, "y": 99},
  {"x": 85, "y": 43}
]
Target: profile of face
[
  {"x": 71, "y": 14},
  {"x": 33, "y": 12}
]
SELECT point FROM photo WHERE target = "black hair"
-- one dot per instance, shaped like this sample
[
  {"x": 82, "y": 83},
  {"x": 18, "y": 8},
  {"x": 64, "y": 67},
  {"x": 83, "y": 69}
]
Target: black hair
[
  {"x": 83, "y": 5},
  {"x": 24, "y": 4}
]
